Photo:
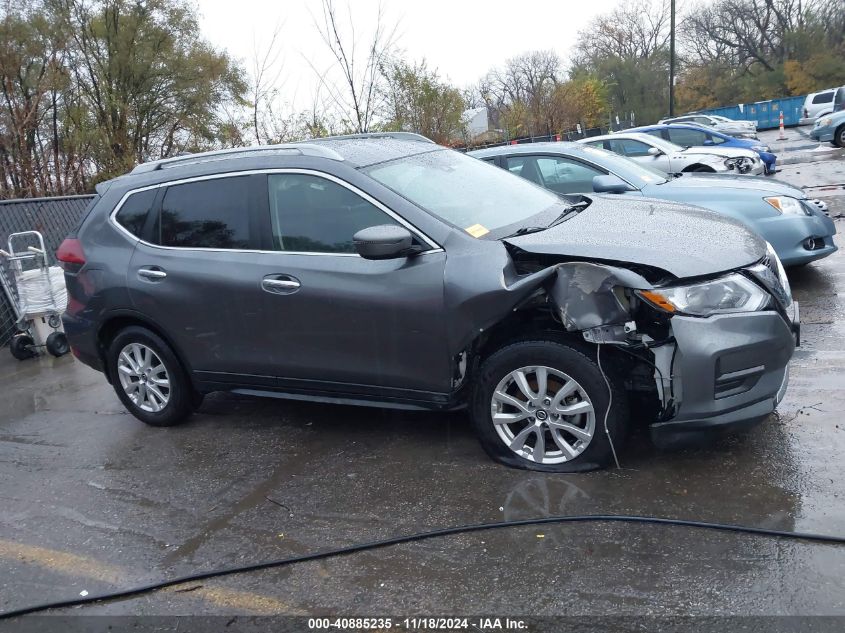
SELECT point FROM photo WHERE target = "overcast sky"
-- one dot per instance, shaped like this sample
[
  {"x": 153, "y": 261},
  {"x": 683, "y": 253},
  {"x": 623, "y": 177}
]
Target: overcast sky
[{"x": 461, "y": 38}]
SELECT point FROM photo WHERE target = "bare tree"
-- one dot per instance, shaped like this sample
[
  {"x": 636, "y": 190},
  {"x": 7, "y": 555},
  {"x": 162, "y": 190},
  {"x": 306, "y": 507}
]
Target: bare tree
[
  {"x": 358, "y": 95},
  {"x": 266, "y": 72},
  {"x": 636, "y": 29},
  {"x": 522, "y": 90}
]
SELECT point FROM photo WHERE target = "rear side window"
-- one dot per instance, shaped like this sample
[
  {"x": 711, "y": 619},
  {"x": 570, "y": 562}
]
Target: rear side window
[
  {"x": 133, "y": 212},
  {"x": 316, "y": 215},
  {"x": 629, "y": 147},
  {"x": 206, "y": 214},
  {"x": 686, "y": 137},
  {"x": 824, "y": 97}
]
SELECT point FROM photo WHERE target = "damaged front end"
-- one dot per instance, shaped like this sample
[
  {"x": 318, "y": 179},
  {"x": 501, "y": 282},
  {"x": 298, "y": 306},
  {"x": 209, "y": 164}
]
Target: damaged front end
[{"x": 683, "y": 371}]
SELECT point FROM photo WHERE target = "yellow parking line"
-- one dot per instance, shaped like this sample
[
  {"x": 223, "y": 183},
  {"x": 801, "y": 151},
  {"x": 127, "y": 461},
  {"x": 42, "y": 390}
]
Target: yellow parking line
[{"x": 78, "y": 566}]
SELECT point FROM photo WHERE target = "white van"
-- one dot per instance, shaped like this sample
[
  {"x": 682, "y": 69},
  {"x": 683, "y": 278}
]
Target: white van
[{"x": 817, "y": 104}]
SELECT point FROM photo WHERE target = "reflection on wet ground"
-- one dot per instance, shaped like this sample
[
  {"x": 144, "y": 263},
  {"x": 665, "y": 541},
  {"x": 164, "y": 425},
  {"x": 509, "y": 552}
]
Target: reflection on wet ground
[{"x": 91, "y": 499}]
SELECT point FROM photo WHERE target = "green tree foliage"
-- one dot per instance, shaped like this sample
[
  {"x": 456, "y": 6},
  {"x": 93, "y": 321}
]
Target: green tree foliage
[
  {"x": 627, "y": 50},
  {"x": 92, "y": 87},
  {"x": 750, "y": 50},
  {"x": 417, "y": 100}
]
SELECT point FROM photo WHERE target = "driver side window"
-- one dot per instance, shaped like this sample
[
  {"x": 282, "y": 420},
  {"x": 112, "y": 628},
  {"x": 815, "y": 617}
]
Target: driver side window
[{"x": 686, "y": 137}]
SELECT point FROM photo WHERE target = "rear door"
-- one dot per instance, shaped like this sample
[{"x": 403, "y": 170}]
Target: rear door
[{"x": 194, "y": 273}]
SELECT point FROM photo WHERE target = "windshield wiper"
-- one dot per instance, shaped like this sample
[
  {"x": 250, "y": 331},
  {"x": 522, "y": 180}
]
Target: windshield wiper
[
  {"x": 525, "y": 230},
  {"x": 569, "y": 211}
]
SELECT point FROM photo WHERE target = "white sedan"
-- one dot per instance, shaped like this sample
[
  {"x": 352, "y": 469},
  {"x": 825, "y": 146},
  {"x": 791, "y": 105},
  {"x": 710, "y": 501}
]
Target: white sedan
[{"x": 670, "y": 158}]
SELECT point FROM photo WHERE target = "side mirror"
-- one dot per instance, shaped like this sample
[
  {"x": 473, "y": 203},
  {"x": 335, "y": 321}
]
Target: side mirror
[
  {"x": 653, "y": 151},
  {"x": 708, "y": 142},
  {"x": 385, "y": 241},
  {"x": 610, "y": 184}
]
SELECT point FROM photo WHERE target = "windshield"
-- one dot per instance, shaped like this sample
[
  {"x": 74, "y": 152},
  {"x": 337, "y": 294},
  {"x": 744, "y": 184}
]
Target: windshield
[
  {"x": 466, "y": 192},
  {"x": 626, "y": 168},
  {"x": 666, "y": 146}
]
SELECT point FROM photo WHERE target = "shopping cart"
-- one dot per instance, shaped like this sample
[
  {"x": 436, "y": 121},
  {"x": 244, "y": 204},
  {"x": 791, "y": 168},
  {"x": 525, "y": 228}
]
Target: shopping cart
[{"x": 40, "y": 299}]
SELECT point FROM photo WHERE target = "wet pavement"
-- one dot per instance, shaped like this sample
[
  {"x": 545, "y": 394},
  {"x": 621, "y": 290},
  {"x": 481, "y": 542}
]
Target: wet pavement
[{"x": 92, "y": 500}]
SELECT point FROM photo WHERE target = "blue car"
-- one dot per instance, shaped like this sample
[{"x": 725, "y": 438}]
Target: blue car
[
  {"x": 830, "y": 127},
  {"x": 797, "y": 227},
  {"x": 687, "y": 135}
]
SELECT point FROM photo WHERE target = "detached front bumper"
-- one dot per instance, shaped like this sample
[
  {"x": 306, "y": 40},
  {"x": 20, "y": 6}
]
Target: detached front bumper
[{"x": 730, "y": 371}]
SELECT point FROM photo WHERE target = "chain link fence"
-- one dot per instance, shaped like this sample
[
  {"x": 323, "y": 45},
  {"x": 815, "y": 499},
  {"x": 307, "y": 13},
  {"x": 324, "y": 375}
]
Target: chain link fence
[{"x": 54, "y": 218}]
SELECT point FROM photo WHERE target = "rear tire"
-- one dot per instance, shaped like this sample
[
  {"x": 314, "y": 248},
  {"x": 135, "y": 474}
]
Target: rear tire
[
  {"x": 564, "y": 421},
  {"x": 148, "y": 377}
]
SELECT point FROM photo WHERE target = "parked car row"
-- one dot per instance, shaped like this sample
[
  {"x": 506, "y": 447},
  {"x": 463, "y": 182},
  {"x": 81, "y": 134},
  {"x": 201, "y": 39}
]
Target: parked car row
[
  {"x": 666, "y": 156},
  {"x": 549, "y": 293},
  {"x": 688, "y": 136},
  {"x": 740, "y": 129}
]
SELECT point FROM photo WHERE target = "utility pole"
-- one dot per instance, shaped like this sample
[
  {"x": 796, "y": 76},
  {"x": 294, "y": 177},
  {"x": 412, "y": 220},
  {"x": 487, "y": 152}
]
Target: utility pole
[{"x": 672, "y": 60}]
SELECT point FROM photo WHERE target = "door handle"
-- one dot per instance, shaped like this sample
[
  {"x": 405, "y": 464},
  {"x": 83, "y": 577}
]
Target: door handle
[
  {"x": 153, "y": 274},
  {"x": 280, "y": 284}
]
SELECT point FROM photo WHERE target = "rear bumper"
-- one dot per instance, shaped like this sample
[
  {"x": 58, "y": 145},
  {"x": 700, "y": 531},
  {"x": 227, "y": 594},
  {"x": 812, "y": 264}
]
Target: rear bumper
[
  {"x": 730, "y": 371},
  {"x": 83, "y": 342}
]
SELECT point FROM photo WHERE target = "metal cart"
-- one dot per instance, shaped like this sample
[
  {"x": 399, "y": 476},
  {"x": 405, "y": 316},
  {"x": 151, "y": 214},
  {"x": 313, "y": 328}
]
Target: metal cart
[{"x": 40, "y": 298}]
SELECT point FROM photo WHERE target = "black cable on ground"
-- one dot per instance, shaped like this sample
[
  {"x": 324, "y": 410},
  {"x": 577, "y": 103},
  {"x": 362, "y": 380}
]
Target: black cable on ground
[{"x": 462, "y": 529}]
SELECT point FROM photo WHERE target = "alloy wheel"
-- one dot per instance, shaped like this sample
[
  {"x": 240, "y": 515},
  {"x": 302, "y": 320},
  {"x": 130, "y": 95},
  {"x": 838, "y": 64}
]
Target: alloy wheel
[
  {"x": 543, "y": 415},
  {"x": 144, "y": 377}
]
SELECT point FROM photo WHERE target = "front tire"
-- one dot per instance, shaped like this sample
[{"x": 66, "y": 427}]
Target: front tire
[
  {"x": 148, "y": 377},
  {"x": 839, "y": 136},
  {"x": 540, "y": 405}
]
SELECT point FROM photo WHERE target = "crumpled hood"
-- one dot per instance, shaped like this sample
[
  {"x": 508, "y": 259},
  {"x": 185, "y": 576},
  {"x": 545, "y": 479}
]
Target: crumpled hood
[
  {"x": 765, "y": 187},
  {"x": 682, "y": 240}
]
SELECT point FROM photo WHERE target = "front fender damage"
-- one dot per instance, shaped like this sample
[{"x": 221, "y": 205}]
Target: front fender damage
[{"x": 596, "y": 300}]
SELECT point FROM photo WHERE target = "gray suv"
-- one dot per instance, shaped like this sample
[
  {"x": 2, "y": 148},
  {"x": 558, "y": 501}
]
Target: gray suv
[{"x": 388, "y": 271}]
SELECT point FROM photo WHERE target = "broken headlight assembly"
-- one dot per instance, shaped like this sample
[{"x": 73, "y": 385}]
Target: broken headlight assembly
[
  {"x": 786, "y": 205},
  {"x": 732, "y": 293},
  {"x": 741, "y": 164}
]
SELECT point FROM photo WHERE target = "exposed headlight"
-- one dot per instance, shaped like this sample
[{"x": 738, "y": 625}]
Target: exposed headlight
[
  {"x": 786, "y": 205},
  {"x": 733, "y": 293},
  {"x": 825, "y": 122},
  {"x": 741, "y": 164}
]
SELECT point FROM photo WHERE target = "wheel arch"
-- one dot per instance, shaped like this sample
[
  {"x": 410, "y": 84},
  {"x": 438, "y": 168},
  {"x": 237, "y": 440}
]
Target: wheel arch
[
  {"x": 117, "y": 321},
  {"x": 697, "y": 167}
]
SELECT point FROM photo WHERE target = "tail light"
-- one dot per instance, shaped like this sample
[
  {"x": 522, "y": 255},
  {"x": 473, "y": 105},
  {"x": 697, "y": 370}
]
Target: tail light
[
  {"x": 806, "y": 113},
  {"x": 70, "y": 255}
]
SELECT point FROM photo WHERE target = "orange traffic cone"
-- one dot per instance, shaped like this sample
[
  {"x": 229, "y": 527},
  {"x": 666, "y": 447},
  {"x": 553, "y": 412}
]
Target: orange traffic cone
[{"x": 782, "y": 136}]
